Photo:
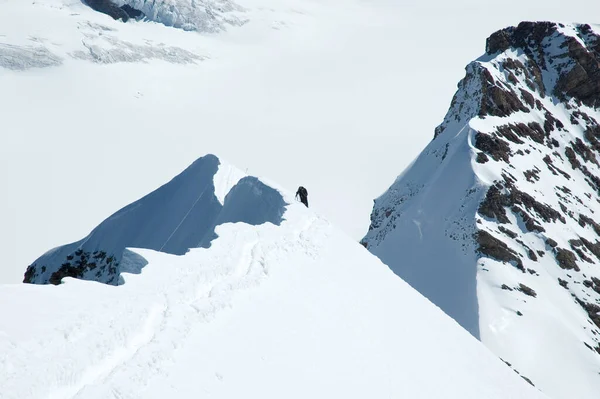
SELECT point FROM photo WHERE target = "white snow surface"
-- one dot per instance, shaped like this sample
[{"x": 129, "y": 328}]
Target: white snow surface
[
  {"x": 423, "y": 228},
  {"x": 296, "y": 310}
]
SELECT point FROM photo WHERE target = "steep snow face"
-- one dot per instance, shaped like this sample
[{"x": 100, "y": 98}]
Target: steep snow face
[
  {"x": 293, "y": 310},
  {"x": 178, "y": 216},
  {"x": 496, "y": 221}
]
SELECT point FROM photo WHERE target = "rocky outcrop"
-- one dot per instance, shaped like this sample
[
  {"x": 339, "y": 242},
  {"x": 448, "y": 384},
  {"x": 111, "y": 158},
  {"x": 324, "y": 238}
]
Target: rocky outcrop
[{"x": 124, "y": 12}]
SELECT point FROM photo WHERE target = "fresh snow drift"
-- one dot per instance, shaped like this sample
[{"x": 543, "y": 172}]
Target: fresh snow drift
[
  {"x": 496, "y": 221},
  {"x": 294, "y": 309}
]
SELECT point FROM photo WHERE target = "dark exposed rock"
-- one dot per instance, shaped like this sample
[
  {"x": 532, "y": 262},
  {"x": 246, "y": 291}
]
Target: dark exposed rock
[
  {"x": 132, "y": 12},
  {"x": 566, "y": 259},
  {"x": 592, "y": 247},
  {"x": 551, "y": 242},
  {"x": 582, "y": 81},
  {"x": 530, "y": 223},
  {"x": 592, "y": 310},
  {"x": 579, "y": 147},
  {"x": 563, "y": 207},
  {"x": 508, "y": 232},
  {"x": 525, "y": 35},
  {"x": 528, "y": 380},
  {"x": 514, "y": 65},
  {"x": 585, "y": 221},
  {"x": 29, "y": 274},
  {"x": 77, "y": 264},
  {"x": 506, "y": 287},
  {"x": 495, "y": 147},
  {"x": 482, "y": 158},
  {"x": 107, "y": 7},
  {"x": 545, "y": 212},
  {"x": 527, "y": 97},
  {"x": 496, "y": 249},
  {"x": 584, "y": 151},
  {"x": 497, "y": 100},
  {"x": 493, "y": 205},
  {"x": 555, "y": 171},
  {"x": 509, "y": 134},
  {"x": 551, "y": 122},
  {"x": 562, "y": 283},
  {"x": 575, "y": 244},
  {"x": 592, "y": 132},
  {"x": 532, "y": 174},
  {"x": 527, "y": 290},
  {"x": 515, "y": 131}
]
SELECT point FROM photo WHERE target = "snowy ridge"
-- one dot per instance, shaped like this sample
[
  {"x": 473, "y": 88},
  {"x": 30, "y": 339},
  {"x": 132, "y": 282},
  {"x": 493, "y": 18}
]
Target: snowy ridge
[
  {"x": 512, "y": 250},
  {"x": 296, "y": 310},
  {"x": 178, "y": 216}
]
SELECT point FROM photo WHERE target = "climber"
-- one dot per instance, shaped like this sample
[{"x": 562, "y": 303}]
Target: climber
[{"x": 303, "y": 194}]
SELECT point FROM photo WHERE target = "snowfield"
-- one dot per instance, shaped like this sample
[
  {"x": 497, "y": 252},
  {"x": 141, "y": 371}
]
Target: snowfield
[{"x": 296, "y": 310}]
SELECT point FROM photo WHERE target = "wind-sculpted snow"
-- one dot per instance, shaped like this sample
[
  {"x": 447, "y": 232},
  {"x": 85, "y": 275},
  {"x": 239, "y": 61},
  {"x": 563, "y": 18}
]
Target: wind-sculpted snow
[
  {"x": 25, "y": 57},
  {"x": 178, "y": 216},
  {"x": 294, "y": 310},
  {"x": 495, "y": 222}
]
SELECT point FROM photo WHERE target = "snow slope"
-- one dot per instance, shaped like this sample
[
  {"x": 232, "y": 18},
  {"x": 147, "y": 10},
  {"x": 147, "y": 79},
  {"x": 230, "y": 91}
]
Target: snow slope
[
  {"x": 296, "y": 310},
  {"x": 178, "y": 216},
  {"x": 495, "y": 221}
]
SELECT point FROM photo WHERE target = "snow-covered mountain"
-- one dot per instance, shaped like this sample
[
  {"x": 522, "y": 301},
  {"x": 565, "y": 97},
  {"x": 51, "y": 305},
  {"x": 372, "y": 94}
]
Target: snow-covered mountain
[
  {"x": 280, "y": 304},
  {"x": 178, "y": 216},
  {"x": 497, "y": 222}
]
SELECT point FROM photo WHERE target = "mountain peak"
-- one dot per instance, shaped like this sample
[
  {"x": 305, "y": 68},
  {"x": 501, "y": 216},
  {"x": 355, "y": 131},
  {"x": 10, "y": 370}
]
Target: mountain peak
[
  {"x": 180, "y": 215},
  {"x": 526, "y": 36},
  {"x": 516, "y": 160}
]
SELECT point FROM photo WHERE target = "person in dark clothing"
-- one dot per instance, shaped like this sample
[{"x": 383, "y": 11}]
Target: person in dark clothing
[{"x": 303, "y": 194}]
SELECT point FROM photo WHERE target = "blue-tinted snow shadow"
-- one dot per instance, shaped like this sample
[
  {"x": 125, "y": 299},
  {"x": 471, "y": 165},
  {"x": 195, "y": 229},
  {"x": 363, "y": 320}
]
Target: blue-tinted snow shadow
[
  {"x": 249, "y": 201},
  {"x": 180, "y": 215}
]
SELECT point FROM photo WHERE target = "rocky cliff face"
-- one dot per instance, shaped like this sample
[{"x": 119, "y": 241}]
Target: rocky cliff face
[{"x": 497, "y": 221}]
